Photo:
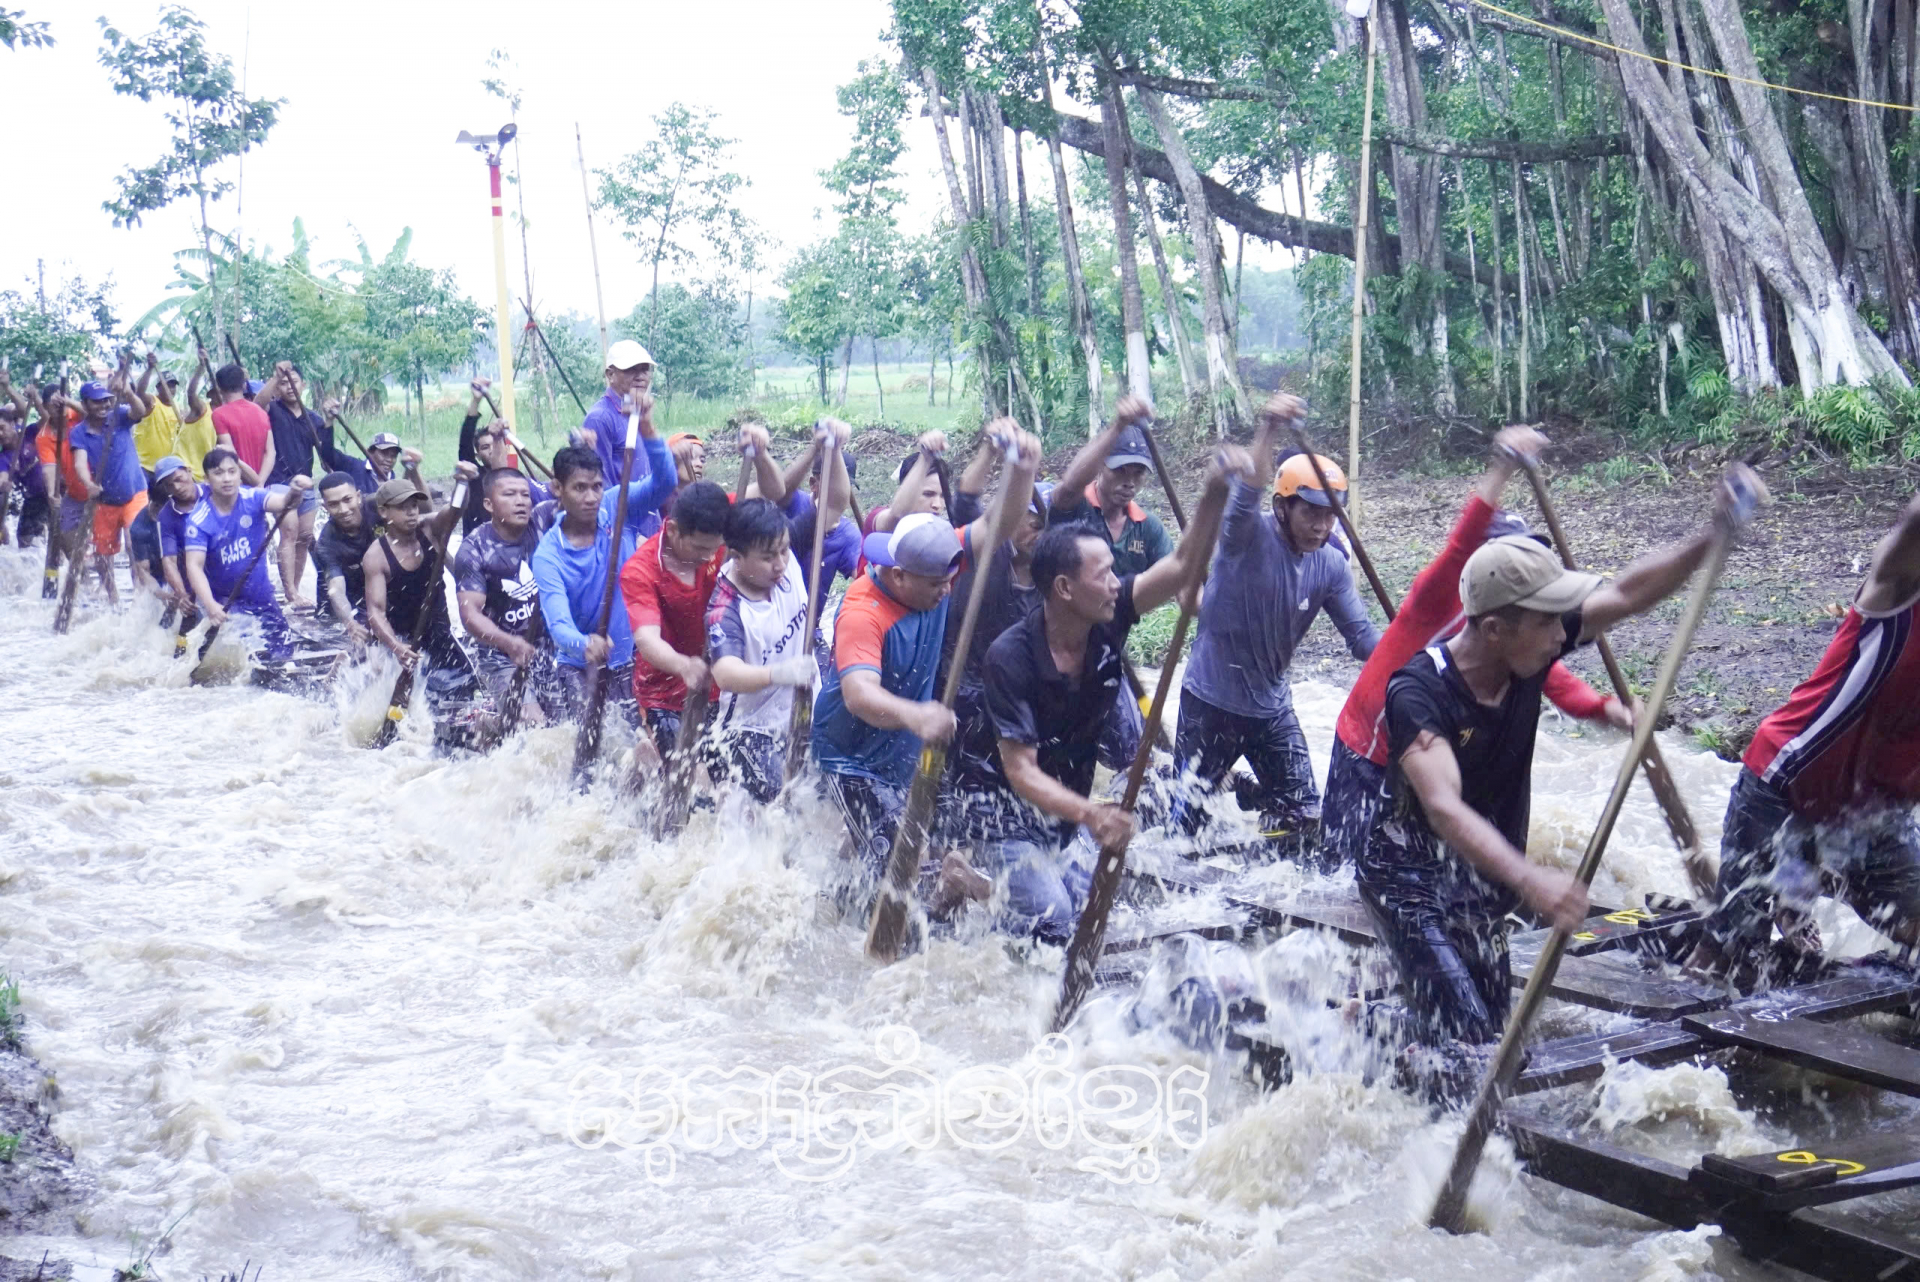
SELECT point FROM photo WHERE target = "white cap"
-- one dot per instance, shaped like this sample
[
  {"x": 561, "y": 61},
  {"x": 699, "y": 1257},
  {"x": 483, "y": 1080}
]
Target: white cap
[{"x": 626, "y": 354}]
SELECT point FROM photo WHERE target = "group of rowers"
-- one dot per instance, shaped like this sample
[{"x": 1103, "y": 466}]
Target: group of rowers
[{"x": 1428, "y": 794}]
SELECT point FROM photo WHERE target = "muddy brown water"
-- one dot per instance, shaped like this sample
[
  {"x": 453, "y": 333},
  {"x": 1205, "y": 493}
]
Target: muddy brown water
[{"x": 384, "y": 1016}]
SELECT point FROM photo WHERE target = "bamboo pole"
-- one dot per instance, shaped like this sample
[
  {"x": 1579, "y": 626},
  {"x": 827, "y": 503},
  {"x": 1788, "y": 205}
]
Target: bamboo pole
[{"x": 1360, "y": 268}]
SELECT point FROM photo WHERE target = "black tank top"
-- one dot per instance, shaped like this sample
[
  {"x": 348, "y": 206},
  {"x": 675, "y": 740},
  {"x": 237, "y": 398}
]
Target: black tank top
[{"x": 408, "y": 590}]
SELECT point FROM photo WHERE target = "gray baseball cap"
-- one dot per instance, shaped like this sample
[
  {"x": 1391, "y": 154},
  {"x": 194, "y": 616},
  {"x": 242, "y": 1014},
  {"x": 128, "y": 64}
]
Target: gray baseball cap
[{"x": 921, "y": 544}]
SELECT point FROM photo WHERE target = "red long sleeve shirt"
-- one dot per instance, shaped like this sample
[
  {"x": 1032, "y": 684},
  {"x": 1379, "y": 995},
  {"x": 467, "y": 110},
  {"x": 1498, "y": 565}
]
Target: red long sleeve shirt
[{"x": 1431, "y": 613}]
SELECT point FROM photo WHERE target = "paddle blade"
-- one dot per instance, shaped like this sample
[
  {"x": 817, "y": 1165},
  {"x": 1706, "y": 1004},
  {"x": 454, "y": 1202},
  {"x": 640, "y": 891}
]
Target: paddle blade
[
  {"x": 799, "y": 734},
  {"x": 586, "y": 743},
  {"x": 677, "y": 777},
  {"x": 887, "y": 933}
]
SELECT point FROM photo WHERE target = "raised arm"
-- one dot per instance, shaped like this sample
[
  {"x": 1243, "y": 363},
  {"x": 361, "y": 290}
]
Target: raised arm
[
  {"x": 1434, "y": 772},
  {"x": 839, "y": 486},
  {"x": 796, "y": 474},
  {"x": 1024, "y": 457},
  {"x": 1895, "y": 575},
  {"x": 766, "y": 472},
  {"x": 1158, "y": 584},
  {"x": 979, "y": 469},
  {"x": 1093, "y": 455},
  {"x": 440, "y": 524},
  {"x": 1657, "y": 575},
  {"x": 196, "y": 403},
  {"x": 932, "y": 445}
]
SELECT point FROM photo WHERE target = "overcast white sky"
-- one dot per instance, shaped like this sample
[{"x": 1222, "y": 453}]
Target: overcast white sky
[{"x": 376, "y": 92}]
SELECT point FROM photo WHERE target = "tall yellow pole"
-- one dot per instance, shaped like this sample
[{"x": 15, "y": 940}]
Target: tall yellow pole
[
  {"x": 1360, "y": 272},
  {"x": 502, "y": 334}
]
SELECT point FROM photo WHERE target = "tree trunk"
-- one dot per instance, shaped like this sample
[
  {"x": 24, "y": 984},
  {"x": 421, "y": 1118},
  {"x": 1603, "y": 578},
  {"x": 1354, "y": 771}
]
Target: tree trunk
[
  {"x": 1526, "y": 319},
  {"x": 970, "y": 276},
  {"x": 846, "y": 368},
  {"x": 879, "y": 390},
  {"x": 993, "y": 136},
  {"x": 1223, "y": 381},
  {"x": 1183, "y": 353},
  {"x": 1133, "y": 316},
  {"x": 933, "y": 374},
  {"x": 1079, "y": 306},
  {"x": 1499, "y": 292},
  {"x": 1033, "y": 282},
  {"x": 1416, "y": 193},
  {"x": 821, "y": 363}
]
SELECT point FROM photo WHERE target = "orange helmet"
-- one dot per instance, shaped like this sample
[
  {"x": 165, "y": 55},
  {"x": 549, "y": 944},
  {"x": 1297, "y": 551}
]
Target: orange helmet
[{"x": 1296, "y": 479}]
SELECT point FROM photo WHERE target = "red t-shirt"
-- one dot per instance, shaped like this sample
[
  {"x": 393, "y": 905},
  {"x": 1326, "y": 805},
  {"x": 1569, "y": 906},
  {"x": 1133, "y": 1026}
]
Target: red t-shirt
[
  {"x": 248, "y": 426},
  {"x": 657, "y": 598},
  {"x": 1431, "y": 613}
]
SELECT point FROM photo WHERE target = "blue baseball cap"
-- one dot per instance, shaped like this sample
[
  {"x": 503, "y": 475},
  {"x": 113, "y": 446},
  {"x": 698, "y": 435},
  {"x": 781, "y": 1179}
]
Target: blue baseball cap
[
  {"x": 167, "y": 466},
  {"x": 91, "y": 391},
  {"x": 1129, "y": 448}
]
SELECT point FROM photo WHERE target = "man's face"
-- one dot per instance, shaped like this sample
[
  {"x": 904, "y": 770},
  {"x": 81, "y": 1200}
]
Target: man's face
[
  {"x": 689, "y": 547},
  {"x": 383, "y": 458},
  {"x": 343, "y": 507},
  {"x": 915, "y": 591},
  {"x": 509, "y": 502},
  {"x": 1120, "y": 484},
  {"x": 404, "y": 517},
  {"x": 291, "y": 387},
  {"x": 1308, "y": 525},
  {"x": 1093, "y": 593},
  {"x": 580, "y": 494},
  {"x": 9, "y": 432},
  {"x": 164, "y": 390},
  {"x": 929, "y": 499},
  {"x": 181, "y": 488},
  {"x": 97, "y": 410},
  {"x": 224, "y": 480},
  {"x": 692, "y": 458},
  {"x": 760, "y": 568},
  {"x": 491, "y": 448},
  {"x": 1029, "y": 533},
  {"x": 1528, "y": 646},
  {"x": 622, "y": 381}
]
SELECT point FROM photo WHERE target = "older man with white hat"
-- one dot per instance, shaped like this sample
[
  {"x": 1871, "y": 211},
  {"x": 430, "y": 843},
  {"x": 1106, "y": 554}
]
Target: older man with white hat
[
  {"x": 604, "y": 430},
  {"x": 1445, "y": 861}
]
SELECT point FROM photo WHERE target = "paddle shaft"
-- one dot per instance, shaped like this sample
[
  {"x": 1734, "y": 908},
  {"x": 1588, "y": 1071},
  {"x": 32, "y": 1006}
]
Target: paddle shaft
[
  {"x": 353, "y": 436},
  {"x": 519, "y": 446},
  {"x": 1665, "y": 791},
  {"x": 1449, "y": 1210},
  {"x": 516, "y": 697},
  {"x": 76, "y": 566},
  {"x": 800, "y": 723},
  {"x": 887, "y": 932},
  {"x": 1137, "y": 687},
  {"x": 435, "y": 556},
  {"x": 1346, "y": 522},
  {"x": 586, "y": 746},
  {"x": 676, "y": 775},
  {"x": 1090, "y": 932}
]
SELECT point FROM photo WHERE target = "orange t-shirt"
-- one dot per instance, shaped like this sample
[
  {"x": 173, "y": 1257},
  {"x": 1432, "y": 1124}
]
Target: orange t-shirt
[{"x": 45, "y": 446}]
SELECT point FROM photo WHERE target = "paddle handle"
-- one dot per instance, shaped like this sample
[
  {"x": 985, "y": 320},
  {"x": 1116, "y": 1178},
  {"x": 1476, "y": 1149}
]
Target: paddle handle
[
  {"x": 1346, "y": 522},
  {"x": 800, "y": 723},
  {"x": 1449, "y": 1210},
  {"x": 1166, "y": 482},
  {"x": 677, "y": 776},
  {"x": 586, "y": 744}
]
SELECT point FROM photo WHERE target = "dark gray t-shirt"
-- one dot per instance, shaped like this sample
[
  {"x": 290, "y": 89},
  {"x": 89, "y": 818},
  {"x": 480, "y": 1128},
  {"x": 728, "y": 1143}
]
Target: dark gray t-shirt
[{"x": 1261, "y": 596}]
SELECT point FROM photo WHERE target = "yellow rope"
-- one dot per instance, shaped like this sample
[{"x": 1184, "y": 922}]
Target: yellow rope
[{"x": 1668, "y": 62}]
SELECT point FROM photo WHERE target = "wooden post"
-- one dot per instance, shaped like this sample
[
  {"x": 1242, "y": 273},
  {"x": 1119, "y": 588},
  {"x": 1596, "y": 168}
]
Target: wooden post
[{"x": 1360, "y": 269}]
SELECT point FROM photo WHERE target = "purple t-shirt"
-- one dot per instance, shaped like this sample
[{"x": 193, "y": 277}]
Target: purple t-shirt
[
  {"x": 173, "y": 523},
  {"x": 230, "y": 541},
  {"x": 609, "y": 428},
  {"x": 839, "y": 550}
]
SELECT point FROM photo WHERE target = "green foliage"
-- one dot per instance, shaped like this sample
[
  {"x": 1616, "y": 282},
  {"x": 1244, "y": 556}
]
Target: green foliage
[
  {"x": 9, "y": 1146},
  {"x": 697, "y": 340},
  {"x": 17, "y": 33},
  {"x": 9, "y": 1012},
  {"x": 1152, "y": 637},
  {"x": 76, "y": 322},
  {"x": 212, "y": 120}
]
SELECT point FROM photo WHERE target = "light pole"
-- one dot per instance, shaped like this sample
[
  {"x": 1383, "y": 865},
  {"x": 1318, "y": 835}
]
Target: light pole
[
  {"x": 1362, "y": 12},
  {"x": 491, "y": 147}
]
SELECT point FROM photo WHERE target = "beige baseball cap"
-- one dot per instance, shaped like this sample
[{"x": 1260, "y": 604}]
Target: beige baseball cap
[{"x": 1516, "y": 570}]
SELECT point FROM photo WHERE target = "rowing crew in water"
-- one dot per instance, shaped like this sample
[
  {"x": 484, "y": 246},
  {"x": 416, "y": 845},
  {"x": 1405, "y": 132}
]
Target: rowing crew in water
[{"x": 1429, "y": 790}]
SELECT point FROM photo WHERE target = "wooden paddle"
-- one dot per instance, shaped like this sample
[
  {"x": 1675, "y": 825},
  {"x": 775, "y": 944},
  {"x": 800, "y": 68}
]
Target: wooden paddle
[
  {"x": 586, "y": 745},
  {"x": 239, "y": 584},
  {"x": 56, "y": 541},
  {"x": 1450, "y": 1208},
  {"x": 513, "y": 440},
  {"x": 1700, "y": 869},
  {"x": 887, "y": 932},
  {"x": 1090, "y": 932},
  {"x": 676, "y": 773},
  {"x": 1135, "y": 685},
  {"x": 800, "y": 723},
  {"x": 516, "y": 697},
  {"x": 76, "y": 567},
  {"x": 435, "y": 555},
  {"x": 1346, "y": 522}
]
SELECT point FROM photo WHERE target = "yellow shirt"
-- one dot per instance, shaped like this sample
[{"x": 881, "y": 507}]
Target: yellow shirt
[{"x": 162, "y": 433}]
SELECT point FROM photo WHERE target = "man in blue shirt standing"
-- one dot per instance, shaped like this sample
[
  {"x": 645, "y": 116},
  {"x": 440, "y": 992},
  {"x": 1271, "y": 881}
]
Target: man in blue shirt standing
[
  {"x": 629, "y": 373},
  {"x": 106, "y": 468},
  {"x": 1273, "y": 572},
  {"x": 570, "y": 564}
]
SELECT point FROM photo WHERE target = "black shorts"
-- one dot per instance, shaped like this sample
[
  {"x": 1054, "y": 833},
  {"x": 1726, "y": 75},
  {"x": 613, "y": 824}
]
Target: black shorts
[{"x": 34, "y": 515}]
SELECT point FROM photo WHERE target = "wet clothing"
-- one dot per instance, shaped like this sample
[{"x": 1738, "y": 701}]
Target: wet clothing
[
  {"x": 1428, "y": 615},
  {"x": 249, "y": 428},
  {"x": 409, "y": 592},
  {"x": 1210, "y": 739},
  {"x": 502, "y": 572},
  {"x": 839, "y": 550},
  {"x": 162, "y": 433},
  {"x": 608, "y": 424},
  {"x": 173, "y": 525},
  {"x": 1142, "y": 540},
  {"x": 656, "y": 597},
  {"x": 109, "y": 519},
  {"x": 22, "y": 462},
  {"x": 573, "y": 579},
  {"x": 112, "y": 460},
  {"x": 874, "y": 632},
  {"x": 759, "y": 634},
  {"x": 230, "y": 541},
  {"x": 1356, "y": 790},
  {"x": 1849, "y": 735},
  {"x": 340, "y": 555},
  {"x": 1443, "y": 922}
]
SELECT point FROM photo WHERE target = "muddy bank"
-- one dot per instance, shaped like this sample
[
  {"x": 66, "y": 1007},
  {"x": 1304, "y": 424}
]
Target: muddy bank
[{"x": 41, "y": 1191}]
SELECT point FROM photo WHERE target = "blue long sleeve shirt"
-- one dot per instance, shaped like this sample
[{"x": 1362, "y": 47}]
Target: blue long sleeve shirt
[
  {"x": 1261, "y": 597},
  {"x": 571, "y": 580},
  {"x": 608, "y": 423}
]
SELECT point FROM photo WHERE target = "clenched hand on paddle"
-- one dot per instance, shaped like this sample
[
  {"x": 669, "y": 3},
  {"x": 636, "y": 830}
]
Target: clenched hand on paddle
[{"x": 829, "y": 435}]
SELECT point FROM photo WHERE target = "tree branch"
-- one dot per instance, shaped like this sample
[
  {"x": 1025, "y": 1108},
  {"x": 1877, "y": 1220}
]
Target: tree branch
[
  {"x": 1527, "y": 153},
  {"x": 1499, "y": 22}
]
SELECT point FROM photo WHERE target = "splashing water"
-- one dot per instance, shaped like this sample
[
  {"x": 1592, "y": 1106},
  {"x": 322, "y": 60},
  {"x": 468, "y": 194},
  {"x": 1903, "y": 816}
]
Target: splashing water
[{"x": 387, "y": 1016}]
